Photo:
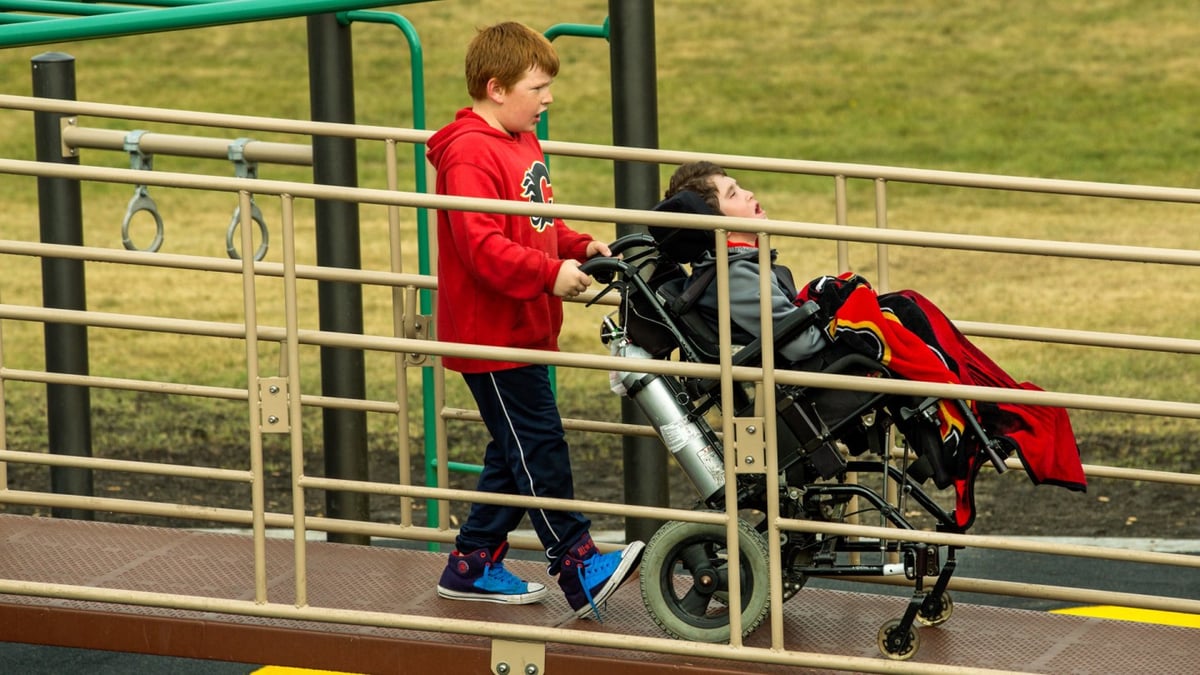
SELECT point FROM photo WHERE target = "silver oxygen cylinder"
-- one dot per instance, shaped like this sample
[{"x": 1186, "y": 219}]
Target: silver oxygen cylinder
[{"x": 690, "y": 439}]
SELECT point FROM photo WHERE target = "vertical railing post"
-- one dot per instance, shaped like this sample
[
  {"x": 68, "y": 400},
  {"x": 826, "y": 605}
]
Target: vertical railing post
[
  {"x": 343, "y": 371},
  {"x": 635, "y": 124},
  {"x": 60, "y": 217}
]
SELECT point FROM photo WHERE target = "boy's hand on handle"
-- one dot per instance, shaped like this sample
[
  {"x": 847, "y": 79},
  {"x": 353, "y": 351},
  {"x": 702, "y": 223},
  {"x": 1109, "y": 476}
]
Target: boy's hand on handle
[
  {"x": 570, "y": 281},
  {"x": 596, "y": 247}
]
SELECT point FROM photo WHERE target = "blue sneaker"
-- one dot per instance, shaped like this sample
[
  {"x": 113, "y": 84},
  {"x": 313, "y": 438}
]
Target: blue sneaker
[
  {"x": 480, "y": 576},
  {"x": 588, "y": 577}
]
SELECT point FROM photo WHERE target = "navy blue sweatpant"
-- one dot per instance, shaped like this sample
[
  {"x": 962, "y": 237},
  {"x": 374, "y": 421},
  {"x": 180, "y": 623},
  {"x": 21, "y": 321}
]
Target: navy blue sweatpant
[{"x": 527, "y": 455}]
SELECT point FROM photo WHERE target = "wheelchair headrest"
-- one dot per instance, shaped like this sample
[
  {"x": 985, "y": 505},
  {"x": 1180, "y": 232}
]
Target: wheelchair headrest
[{"x": 679, "y": 244}]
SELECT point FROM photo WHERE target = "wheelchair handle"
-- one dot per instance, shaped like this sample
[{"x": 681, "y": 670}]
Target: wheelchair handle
[
  {"x": 604, "y": 266},
  {"x": 629, "y": 241}
]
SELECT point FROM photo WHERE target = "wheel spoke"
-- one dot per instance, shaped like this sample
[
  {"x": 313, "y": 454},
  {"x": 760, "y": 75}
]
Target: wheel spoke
[
  {"x": 694, "y": 558},
  {"x": 747, "y": 585},
  {"x": 685, "y": 580},
  {"x": 695, "y": 602}
]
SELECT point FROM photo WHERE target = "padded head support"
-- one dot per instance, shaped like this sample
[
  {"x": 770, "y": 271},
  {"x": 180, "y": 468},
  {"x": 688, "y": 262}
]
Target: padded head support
[{"x": 679, "y": 244}]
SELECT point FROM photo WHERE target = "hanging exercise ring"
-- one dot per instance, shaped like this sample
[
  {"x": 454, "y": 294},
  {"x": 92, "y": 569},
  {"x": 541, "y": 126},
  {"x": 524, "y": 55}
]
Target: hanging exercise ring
[
  {"x": 244, "y": 169},
  {"x": 255, "y": 215},
  {"x": 141, "y": 200}
]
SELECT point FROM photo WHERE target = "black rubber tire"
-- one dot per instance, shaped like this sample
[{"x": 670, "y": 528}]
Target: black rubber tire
[
  {"x": 942, "y": 613},
  {"x": 887, "y": 633},
  {"x": 691, "y": 610}
]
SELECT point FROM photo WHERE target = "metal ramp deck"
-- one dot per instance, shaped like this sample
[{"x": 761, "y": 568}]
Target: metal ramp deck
[{"x": 216, "y": 565}]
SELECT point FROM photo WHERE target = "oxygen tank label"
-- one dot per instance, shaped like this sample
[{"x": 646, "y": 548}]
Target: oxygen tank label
[
  {"x": 713, "y": 463},
  {"x": 689, "y": 447},
  {"x": 676, "y": 435}
]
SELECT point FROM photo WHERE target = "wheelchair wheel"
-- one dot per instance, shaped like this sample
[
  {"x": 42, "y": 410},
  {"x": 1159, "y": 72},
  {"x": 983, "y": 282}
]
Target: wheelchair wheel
[
  {"x": 936, "y": 613},
  {"x": 895, "y": 644},
  {"x": 685, "y": 580}
]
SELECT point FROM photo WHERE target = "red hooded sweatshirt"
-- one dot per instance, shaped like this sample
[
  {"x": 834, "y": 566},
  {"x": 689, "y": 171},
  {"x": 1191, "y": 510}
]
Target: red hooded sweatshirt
[{"x": 496, "y": 272}]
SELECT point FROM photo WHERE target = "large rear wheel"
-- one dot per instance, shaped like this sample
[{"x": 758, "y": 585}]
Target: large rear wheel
[{"x": 685, "y": 580}]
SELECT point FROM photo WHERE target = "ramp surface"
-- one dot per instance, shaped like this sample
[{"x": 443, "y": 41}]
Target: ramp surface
[{"x": 375, "y": 578}]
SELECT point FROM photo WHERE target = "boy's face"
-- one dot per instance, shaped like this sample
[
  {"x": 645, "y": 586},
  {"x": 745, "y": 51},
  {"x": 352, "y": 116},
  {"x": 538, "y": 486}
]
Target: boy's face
[
  {"x": 522, "y": 106},
  {"x": 735, "y": 200}
]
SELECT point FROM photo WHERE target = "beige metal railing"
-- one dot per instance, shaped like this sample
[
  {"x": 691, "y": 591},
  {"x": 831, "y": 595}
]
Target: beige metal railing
[{"x": 403, "y": 343}]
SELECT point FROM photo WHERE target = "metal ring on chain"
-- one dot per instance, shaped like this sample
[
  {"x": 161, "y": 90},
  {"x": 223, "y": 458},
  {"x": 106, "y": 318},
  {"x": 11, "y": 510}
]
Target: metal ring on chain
[
  {"x": 255, "y": 215},
  {"x": 142, "y": 201}
]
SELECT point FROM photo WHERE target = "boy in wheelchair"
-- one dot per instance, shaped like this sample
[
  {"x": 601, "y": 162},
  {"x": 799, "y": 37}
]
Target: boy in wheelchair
[{"x": 903, "y": 332}]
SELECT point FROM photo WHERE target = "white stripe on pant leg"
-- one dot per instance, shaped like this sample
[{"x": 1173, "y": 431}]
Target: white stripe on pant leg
[{"x": 521, "y": 449}]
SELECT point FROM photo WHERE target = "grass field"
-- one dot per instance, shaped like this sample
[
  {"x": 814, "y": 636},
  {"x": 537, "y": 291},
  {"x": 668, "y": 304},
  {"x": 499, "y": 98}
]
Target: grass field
[{"x": 1097, "y": 91}]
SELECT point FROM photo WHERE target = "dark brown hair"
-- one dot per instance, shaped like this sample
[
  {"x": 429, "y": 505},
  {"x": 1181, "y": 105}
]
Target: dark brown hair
[{"x": 697, "y": 177}]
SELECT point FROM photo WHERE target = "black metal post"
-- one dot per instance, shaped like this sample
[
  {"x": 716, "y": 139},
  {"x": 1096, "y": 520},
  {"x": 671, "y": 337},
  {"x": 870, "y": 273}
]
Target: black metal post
[
  {"x": 331, "y": 91},
  {"x": 636, "y": 184},
  {"x": 60, "y": 215}
]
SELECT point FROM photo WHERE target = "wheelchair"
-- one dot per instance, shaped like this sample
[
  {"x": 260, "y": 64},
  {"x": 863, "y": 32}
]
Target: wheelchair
[{"x": 828, "y": 441}]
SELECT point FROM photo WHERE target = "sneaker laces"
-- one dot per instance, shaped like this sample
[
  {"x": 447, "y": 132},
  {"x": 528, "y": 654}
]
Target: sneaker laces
[
  {"x": 599, "y": 565},
  {"x": 497, "y": 577}
]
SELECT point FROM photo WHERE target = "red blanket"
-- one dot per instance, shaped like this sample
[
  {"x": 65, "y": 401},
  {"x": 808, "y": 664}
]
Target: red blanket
[{"x": 915, "y": 340}]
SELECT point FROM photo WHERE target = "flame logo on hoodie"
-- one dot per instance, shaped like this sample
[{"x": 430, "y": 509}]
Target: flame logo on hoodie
[{"x": 535, "y": 187}]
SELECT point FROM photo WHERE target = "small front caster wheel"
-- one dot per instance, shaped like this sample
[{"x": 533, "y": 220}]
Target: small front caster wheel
[
  {"x": 935, "y": 612},
  {"x": 895, "y": 644}
]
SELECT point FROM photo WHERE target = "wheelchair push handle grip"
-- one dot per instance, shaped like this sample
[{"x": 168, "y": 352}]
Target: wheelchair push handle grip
[
  {"x": 604, "y": 267},
  {"x": 634, "y": 240}
]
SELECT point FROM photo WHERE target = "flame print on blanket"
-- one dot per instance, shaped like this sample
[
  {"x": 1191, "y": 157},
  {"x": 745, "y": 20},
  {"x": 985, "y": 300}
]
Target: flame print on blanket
[
  {"x": 914, "y": 339},
  {"x": 861, "y": 323}
]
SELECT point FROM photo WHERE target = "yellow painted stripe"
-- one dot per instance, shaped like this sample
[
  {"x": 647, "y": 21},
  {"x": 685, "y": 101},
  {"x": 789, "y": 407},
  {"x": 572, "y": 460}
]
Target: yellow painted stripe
[
  {"x": 283, "y": 670},
  {"x": 1132, "y": 614}
]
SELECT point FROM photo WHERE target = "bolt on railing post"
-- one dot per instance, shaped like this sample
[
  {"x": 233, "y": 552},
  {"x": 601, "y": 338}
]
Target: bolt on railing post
[{"x": 60, "y": 214}]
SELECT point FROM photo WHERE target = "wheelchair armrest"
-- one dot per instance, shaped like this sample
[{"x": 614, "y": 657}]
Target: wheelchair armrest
[{"x": 805, "y": 316}]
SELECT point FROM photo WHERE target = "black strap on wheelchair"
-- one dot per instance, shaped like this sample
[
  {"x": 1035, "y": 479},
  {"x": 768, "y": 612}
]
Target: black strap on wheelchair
[{"x": 683, "y": 303}]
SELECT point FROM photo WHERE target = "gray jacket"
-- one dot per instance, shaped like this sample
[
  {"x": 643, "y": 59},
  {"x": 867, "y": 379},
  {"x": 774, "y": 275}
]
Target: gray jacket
[{"x": 744, "y": 308}]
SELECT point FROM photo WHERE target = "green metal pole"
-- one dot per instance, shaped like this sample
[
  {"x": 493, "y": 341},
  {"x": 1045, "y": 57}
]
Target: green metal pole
[
  {"x": 8, "y": 17},
  {"x": 543, "y": 125},
  {"x": 424, "y": 262},
  {"x": 197, "y": 15},
  {"x": 575, "y": 30},
  {"x": 62, "y": 7}
]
